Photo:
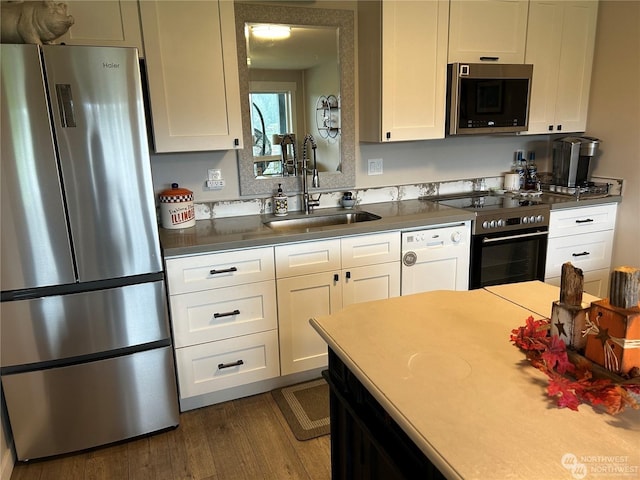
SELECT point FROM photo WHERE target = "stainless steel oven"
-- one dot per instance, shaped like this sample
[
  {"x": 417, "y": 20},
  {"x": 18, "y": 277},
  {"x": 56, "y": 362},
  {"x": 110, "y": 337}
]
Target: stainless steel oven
[{"x": 509, "y": 238}]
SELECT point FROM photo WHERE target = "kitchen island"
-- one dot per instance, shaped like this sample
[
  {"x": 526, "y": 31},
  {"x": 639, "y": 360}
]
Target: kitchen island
[{"x": 429, "y": 384}]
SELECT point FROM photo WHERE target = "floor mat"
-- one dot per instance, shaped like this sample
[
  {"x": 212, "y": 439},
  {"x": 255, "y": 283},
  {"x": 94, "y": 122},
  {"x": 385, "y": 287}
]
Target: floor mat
[{"x": 305, "y": 406}]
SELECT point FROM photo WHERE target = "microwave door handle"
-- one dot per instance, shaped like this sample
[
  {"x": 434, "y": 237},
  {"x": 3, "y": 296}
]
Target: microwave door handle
[{"x": 515, "y": 237}]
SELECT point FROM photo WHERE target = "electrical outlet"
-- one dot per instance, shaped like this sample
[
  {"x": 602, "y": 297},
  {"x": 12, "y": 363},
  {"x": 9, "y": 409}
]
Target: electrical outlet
[
  {"x": 215, "y": 184},
  {"x": 375, "y": 166}
]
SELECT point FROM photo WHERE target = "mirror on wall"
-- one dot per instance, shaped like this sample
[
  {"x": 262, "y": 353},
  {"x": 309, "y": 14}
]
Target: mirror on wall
[{"x": 299, "y": 84}]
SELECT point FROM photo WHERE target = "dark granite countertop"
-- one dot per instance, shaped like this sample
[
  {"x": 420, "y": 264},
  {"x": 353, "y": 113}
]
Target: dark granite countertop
[
  {"x": 557, "y": 201},
  {"x": 250, "y": 231}
]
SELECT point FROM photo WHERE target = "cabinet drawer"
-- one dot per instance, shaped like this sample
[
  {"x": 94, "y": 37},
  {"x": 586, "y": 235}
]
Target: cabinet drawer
[
  {"x": 582, "y": 220},
  {"x": 307, "y": 257},
  {"x": 210, "y": 315},
  {"x": 203, "y": 272},
  {"x": 214, "y": 366},
  {"x": 591, "y": 251},
  {"x": 370, "y": 249}
]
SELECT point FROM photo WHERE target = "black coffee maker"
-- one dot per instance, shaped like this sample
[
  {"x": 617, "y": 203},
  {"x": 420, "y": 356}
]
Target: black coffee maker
[{"x": 572, "y": 161}]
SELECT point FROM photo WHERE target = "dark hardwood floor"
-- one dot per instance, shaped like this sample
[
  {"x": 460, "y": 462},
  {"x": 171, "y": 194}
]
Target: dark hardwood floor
[{"x": 242, "y": 439}]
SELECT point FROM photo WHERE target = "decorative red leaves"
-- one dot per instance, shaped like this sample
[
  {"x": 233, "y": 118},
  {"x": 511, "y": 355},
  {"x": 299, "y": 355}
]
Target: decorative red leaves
[{"x": 570, "y": 384}]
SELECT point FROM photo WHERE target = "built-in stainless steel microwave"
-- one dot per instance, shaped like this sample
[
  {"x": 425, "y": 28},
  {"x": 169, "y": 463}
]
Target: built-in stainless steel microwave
[{"x": 488, "y": 98}]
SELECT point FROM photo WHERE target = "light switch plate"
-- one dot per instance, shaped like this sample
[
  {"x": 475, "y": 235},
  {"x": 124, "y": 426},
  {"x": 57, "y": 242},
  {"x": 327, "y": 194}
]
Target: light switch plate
[{"x": 375, "y": 166}]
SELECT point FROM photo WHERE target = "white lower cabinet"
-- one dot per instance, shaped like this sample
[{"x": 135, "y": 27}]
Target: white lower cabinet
[
  {"x": 299, "y": 299},
  {"x": 238, "y": 327},
  {"x": 584, "y": 237},
  {"x": 318, "y": 278},
  {"x": 224, "y": 320},
  {"x": 223, "y": 364}
]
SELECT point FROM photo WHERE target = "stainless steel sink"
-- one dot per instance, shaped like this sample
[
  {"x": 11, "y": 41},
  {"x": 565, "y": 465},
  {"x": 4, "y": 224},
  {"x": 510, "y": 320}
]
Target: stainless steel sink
[{"x": 319, "y": 220}]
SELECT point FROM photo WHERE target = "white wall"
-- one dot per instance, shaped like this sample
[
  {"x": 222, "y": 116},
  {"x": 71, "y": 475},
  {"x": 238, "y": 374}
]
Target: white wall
[
  {"x": 614, "y": 116},
  {"x": 451, "y": 158}
]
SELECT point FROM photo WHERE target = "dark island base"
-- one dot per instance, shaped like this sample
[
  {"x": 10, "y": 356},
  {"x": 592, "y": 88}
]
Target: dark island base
[{"x": 366, "y": 443}]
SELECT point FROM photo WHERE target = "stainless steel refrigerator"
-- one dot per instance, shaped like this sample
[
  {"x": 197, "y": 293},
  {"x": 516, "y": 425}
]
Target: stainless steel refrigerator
[{"x": 86, "y": 356}]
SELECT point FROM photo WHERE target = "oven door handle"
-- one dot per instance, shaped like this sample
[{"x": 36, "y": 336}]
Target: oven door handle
[{"x": 515, "y": 237}]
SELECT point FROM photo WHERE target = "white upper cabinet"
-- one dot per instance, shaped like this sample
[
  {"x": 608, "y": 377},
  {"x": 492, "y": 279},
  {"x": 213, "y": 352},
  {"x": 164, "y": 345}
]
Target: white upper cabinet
[
  {"x": 112, "y": 23},
  {"x": 560, "y": 43},
  {"x": 402, "y": 51},
  {"x": 192, "y": 70},
  {"x": 487, "y": 30}
]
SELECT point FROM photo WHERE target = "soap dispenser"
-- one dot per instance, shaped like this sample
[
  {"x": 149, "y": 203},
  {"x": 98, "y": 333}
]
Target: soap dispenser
[{"x": 280, "y": 204}]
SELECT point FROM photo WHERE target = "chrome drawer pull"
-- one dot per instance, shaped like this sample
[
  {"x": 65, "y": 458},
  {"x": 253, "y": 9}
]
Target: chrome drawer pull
[
  {"x": 579, "y": 254},
  {"x": 586, "y": 220},
  {"x": 224, "y": 270},
  {"x": 226, "y": 314},
  {"x": 229, "y": 365}
]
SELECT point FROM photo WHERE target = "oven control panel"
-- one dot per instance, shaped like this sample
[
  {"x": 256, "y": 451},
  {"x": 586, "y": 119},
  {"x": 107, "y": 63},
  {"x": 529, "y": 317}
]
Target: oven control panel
[{"x": 500, "y": 221}]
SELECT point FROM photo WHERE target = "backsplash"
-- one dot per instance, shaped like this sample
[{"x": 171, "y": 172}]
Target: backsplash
[{"x": 256, "y": 206}]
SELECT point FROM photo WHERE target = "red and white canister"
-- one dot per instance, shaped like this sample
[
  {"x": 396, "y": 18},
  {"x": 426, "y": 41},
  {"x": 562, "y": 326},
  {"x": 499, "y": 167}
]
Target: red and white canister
[{"x": 176, "y": 208}]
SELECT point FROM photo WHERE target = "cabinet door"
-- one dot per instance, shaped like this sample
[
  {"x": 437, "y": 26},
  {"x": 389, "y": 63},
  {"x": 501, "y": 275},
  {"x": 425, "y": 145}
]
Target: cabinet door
[
  {"x": 369, "y": 283},
  {"x": 402, "y": 65},
  {"x": 560, "y": 45},
  {"x": 494, "y": 29},
  {"x": 299, "y": 299},
  {"x": 192, "y": 71},
  {"x": 112, "y": 23},
  {"x": 414, "y": 70}
]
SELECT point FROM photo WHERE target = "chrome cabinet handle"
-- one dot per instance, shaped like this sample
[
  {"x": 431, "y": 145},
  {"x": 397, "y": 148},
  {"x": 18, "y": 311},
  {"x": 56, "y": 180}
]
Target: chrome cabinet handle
[
  {"x": 226, "y": 314},
  {"x": 224, "y": 270},
  {"x": 229, "y": 365},
  {"x": 586, "y": 220},
  {"x": 579, "y": 254}
]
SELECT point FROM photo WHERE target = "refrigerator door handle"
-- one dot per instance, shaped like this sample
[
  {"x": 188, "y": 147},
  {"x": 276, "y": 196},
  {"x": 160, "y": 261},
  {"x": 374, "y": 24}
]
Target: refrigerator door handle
[{"x": 65, "y": 104}]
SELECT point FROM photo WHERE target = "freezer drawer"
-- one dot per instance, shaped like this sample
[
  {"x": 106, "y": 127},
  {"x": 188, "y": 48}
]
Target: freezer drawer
[
  {"x": 66, "y": 409},
  {"x": 66, "y": 326}
]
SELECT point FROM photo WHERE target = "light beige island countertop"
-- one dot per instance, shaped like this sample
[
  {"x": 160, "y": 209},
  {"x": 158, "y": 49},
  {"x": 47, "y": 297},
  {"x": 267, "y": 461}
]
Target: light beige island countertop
[{"x": 441, "y": 364}]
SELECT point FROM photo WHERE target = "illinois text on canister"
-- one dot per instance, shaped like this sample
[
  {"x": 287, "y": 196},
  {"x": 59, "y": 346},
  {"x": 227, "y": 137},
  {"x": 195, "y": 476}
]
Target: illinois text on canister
[{"x": 176, "y": 208}]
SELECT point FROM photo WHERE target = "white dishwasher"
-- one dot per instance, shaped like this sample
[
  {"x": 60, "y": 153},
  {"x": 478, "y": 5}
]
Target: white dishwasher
[{"x": 436, "y": 258}]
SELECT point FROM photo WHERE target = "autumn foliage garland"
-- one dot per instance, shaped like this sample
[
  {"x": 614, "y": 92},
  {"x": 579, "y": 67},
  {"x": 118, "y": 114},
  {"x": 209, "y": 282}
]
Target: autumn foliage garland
[{"x": 570, "y": 384}]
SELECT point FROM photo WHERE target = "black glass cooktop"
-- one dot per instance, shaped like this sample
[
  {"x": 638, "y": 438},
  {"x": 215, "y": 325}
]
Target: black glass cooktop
[{"x": 492, "y": 202}]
